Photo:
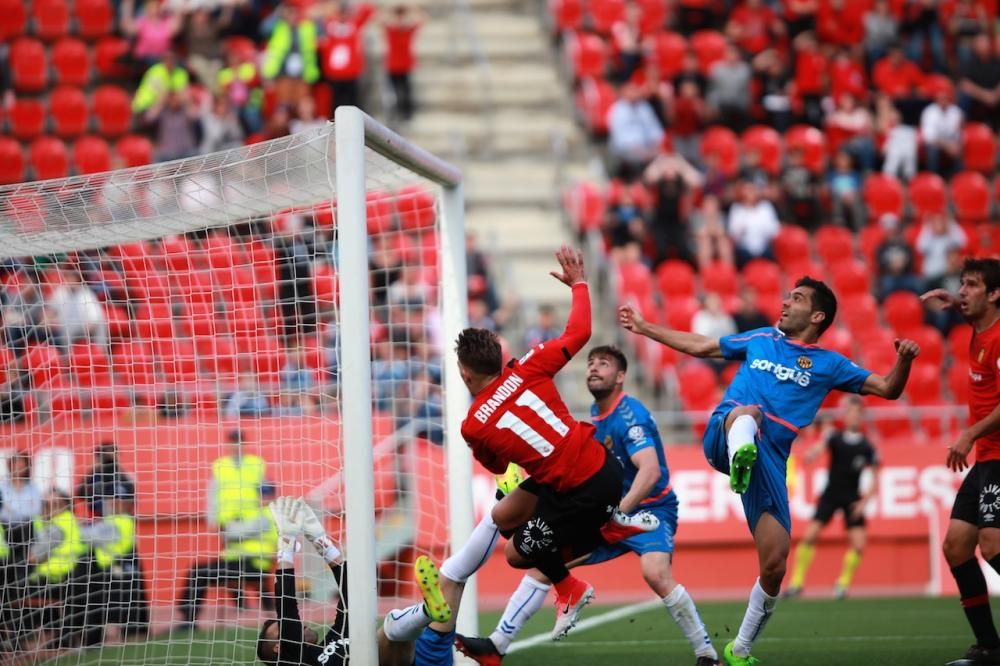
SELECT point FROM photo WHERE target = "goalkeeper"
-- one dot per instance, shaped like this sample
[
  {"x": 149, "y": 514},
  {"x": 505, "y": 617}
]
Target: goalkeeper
[{"x": 285, "y": 641}]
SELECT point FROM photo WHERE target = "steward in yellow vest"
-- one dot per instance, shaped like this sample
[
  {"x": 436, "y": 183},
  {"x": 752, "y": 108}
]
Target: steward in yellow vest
[
  {"x": 56, "y": 546},
  {"x": 236, "y": 483}
]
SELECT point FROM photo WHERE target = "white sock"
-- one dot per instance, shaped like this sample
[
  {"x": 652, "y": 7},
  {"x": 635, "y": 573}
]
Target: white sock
[
  {"x": 474, "y": 553},
  {"x": 525, "y": 602},
  {"x": 743, "y": 431},
  {"x": 406, "y": 624},
  {"x": 681, "y": 607},
  {"x": 759, "y": 610}
]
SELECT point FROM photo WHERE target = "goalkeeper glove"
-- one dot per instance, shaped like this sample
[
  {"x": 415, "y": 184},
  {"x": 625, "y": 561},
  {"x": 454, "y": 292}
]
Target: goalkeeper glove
[
  {"x": 316, "y": 533},
  {"x": 288, "y": 520}
]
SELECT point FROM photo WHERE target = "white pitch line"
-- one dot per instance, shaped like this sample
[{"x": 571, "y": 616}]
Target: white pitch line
[
  {"x": 589, "y": 623},
  {"x": 768, "y": 641}
]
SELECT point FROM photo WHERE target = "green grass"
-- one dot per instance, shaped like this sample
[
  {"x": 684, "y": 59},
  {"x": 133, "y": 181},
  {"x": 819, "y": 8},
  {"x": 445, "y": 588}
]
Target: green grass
[{"x": 863, "y": 632}]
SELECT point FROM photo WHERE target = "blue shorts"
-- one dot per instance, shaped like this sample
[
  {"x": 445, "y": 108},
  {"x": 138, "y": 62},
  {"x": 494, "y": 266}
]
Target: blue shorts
[
  {"x": 660, "y": 540},
  {"x": 768, "y": 490}
]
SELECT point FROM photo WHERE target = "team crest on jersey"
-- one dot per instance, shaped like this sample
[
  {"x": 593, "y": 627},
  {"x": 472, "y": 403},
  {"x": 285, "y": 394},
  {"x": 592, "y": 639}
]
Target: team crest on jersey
[{"x": 805, "y": 362}]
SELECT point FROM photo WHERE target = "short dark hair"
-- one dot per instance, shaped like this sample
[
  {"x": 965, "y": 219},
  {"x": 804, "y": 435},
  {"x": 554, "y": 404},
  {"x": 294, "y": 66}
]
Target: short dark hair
[
  {"x": 986, "y": 267},
  {"x": 823, "y": 300},
  {"x": 479, "y": 350},
  {"x": 264, "y": 644},
  {"x": 611, "y": 352}
]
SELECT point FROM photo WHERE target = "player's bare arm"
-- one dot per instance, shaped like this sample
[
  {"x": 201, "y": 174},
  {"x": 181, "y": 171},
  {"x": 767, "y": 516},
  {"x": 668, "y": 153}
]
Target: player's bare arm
[
  {"x": 958, "y": 452},
  {"x": 891, "y": 385},
  {"x": 858, "y": 508},
  {"x": 691, "y": 344},
  {"x": 647, "y": 474},
  {"x": 940, "y": 297},
  {"x": 571, "y": 262}
]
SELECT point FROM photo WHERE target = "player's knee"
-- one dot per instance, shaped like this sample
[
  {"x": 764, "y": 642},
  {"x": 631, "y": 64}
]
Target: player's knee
[
  {"x": 773, "y": 569},
  {"x": 989, "y": 545},
  {"x": 748, "y": 410},
  {"x": 956, "y": 551},
  {"x": 514, "y": 558}
]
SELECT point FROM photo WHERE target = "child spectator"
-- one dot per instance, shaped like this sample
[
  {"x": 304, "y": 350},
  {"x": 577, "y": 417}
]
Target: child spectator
[
  {"x": 894, "y": 258},
  {"x": 845, "y": 192},
  {"x": 176, "y": 126},
  {"x": 305, "y": 117},
  {"x": 400, "y": 27},
  {"x": 239, "y": 81},
  {"x": 712, "y": 320},
  {"x": 342, "y": 51}
]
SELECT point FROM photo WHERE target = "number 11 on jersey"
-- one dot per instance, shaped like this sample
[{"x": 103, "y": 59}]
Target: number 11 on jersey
[{"x": 530, "y": 436}]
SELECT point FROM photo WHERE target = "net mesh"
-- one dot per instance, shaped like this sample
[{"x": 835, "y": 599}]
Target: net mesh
[{"x": 170, "y": 361}]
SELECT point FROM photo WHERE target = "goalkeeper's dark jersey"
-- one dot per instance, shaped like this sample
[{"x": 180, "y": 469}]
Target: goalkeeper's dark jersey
[
  {"x": 850, "y": 453},
  {"x": 291, "y": 650}
]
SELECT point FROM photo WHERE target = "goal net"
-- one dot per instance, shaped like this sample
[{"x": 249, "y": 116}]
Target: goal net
[{"x": 183, "y": 342}]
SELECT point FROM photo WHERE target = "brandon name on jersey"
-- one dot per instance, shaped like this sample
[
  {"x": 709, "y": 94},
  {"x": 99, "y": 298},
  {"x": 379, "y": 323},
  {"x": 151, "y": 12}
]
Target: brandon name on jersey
[{"x": 494, "y": 402}]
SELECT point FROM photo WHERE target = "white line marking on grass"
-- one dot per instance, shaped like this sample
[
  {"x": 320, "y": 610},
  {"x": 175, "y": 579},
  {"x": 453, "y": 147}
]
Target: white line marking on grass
[
  {"x": 589, "y": 623},
  {"x": 677, "y": 641}
]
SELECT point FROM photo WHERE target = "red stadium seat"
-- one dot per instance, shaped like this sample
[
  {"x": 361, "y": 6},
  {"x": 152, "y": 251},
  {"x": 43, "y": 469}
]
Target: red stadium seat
[
  {"x": 933, "y": 84},
  {"x": 176, "y": 360},
  {"x": 680, "y": 312},
  {"x": 11, "y": 161},
  {"x": 859, "y": 312},
  {"x": 722, "y": 142},
  {"x": 834, "y": 244},
  {"x": 217, "y": 356},
  {"x": 594, "y": 99},
  {"x": 668, "y": 49},
  {"x": 959, "y": 339},
  {"x": 979, "y": 148},
  {"x": 417, "y": 208},
  {"x": 51, "y": 19},
  {"x": 763, "y": 276},
  {"x": 44, "y": 364},
  {"x": 869, "y": 239},
  {"x": 134, "y": 150},
  {"x": 112, "y": 111},
  {"x": 605, "y": 13},
  {"x": 767, "y": 142},
  {"x": 27, "y": 119},
  {"x": 109, "y": 400},
  {"x": 585, "y": 205},
  {"x": 132, "y": 363},
  {"x": 381, "y": 212},
  {"x": 28, "y": 65},
  {"x": 109, "y": 54},
  {"x": 675, "y": 280},
  {"x": 71, "y": 62},
  {"x": 970, "y": 192},
  {"x": 709, "y": 47},
  {"x": 68, "y": 108},
  {"x": 15, "y": 19},
  {"x": 812, "y": 143},
  {"x": 566, "y": 14},
  {"x": 883, "y": 194},
  {"x": 697, "y": 384},
  {"x": 850, "y": 277},
  {"x": 91, "y": 155},
  {"x": 90, "y": 364},
  {"x": 958, "y": 383},
  {"x": 588, "y": 55},
  {"x": 931, "y": 344},
  {"x": 635, "y": 280},
  {"x": 791, "y": 245},
  {"x": 839, "y": 340},
  {"x": 94, "y": 18},
  {"x": 654, "y": 16},
  {"x": 720, "y": 278},
  {"x": 928, "y": 194},
  {"x": 154, "y": 321},
  {"x": 48, "y": 158},
  {"x": 903, "y": 311}
]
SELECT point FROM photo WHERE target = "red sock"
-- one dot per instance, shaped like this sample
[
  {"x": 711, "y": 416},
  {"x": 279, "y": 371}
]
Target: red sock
[{"x": 567, "y": 586}]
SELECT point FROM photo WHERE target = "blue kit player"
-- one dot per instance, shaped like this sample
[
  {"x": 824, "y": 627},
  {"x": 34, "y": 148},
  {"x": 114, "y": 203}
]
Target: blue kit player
[
  {"x": 627, "y": 429},
  {"x": 782, "y": 381}
]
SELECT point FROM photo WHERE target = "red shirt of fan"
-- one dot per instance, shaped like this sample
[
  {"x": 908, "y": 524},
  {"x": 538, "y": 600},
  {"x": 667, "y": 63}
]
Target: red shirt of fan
[
  {"x": 984, "y": 390},
  {"x": 755, "y": 24},
  {"x": 399, "y": 58},
  {"x": 810, "y": 73},
  {"x": 342, "y": 52},
  {"x": 521, "y": 418}
]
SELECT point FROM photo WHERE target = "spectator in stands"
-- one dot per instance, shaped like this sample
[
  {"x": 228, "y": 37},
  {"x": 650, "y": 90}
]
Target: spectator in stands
[
  {"x": 753, "y": 224},
  {"x": 296, "y": 297},
  {"x": 694, "y": 15},
  {"x": 938, "y": 236},
  {"x": 247, "y": 399},
  {"x": 239, "y": 81},
  {"x": 160, "y": 80},
  {"x": 941, "y": 134},
  {"x": 881, "y": 31},
  {"x": 800, "y": 16},
  {"x": 899, "y": 149},
  {"x": 844, "y": 183},
  {"x": 691, "y": 71},
  {"x": 424, "y": 403},
  {"x": 478, "y": 269},
  {"x": 342, "y": 51},
  {"x": 848, "y": 74},
  {"x": 979, "y": 83},
  {"x": 839, "y": 22},
  {"x": 947, "y": 318},
  {"x": 220, "y": 127},
  {"x": 152, "y": 32},
  {"x": 626, "y": 42},
  {"x": 895, "y": 259},
  {"x": 20, "y": 505},
  {"x": 801, "y": 190},
  {"x": 22, "y": 311},
  {"x": 176, "y": 124},
  {"x": 305, "y": 117},
  {"x": 922, "y": 29},
  {"x": 708, "y": 229},
  {"x": 671, "y": 178},
  {"x": 106, "y": 480},
  {"x": 713, "y": 320},
  {"x": 278, "y": 124},
  {"x": 749, "y": 316},
  {"x": 202, "y": 33},
  {"x": 753, "y": 25},
  {"x": 290, "y": 58},
  {"x": 729, "y": 90},
  {"x": 634, "y": 133},
  {"x": 894, "y": 74},
  {"x": 811, "y": 78},
  {"x": 400, "y": 26},
  {"x": 774, "y": 78},
  {"x": 686, "y": 117},
  {"x": 854, "y": 123},
  {"x": 479, "y": 315},
  {"x": 544, "y": 329},
  {"x": 625, "y": 223},
  {"x": 969, "y": 19},
  {"x": 412, "y": 286},
  {"x": 386, "y": 265},
  {"x": 390, "y": 369},
  {"x": 13, "y": 388},
  {"x": 76, "y": 312}
]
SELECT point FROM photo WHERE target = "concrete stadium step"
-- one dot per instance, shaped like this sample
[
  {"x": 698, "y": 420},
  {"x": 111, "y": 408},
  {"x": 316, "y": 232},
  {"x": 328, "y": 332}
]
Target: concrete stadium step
[
  {"x": 516, "y": 86},
  {"x": 515, "y": 182},
  {"x": 510, "y": 130},
  {"x": 503, "y": 39},
  {"x": 516, "y": 231}
]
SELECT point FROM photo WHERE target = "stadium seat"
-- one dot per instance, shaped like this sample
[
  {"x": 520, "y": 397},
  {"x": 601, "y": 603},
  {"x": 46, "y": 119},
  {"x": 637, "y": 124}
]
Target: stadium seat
[
  {"x": 679, "y": 313},
  {"x": 112, "y": 111},
  {"x": 869, "y": 239},
  {"x": 15, "y": 18},
  {"x": 931, "y": 344},
  {"x": 48, "y": 158},
  {"x": 839, "y": 340},
  {"x": 588, "y": 55},
  {"x": 381, "y": 212},
  {"x": 970, "y": 193},
  {"x": 883, "y": 194},
  {"x": 91, "y": 155},
  {"x": 325, "y": 285},
  {"x": 932, "y": 84},
  {"x": 89, "y": 364},
  {"x": 11, "y": 161},
  {"x": 416, "y": 207},
  {"x": 132, "y": 362},
  {"x": 28, "y": 65},
  {"x": 979, "y": 148},
  {"x": 134, "y": 150},
  {"x": 44, "y": 363},
  {"x": 176, "y": 360},
  {"x": 50, "y": 18},
  {"x": 585, "y": 205},
  {"x": 94, "y": 18},
  {"x": 859, "y": 312},
  {"x": 850, "y": 277},
  {"x": 71, "y": 62},
  {"x": 698, "y": 384},
  {"x": 763, "y": 276},
  {"x": 566, "y": 14},
  {"x": 791, "y": 245},
  {"x": 68, "y": 108},
  {"x": 958, "y": 383},
  {"x": 635, "y": 280},
  {"x": 720, "y": 278},
  {"x": 594, "y": 99},
  {"x": 668, "y": 49},
  {"x": 834, "y": 244},
  {"x": 959, "y": 339},
  {"x": 767, "y": 142},
  {"x": 812, "y": 143},
  {"x": 928, "y": 194},
  {"x": 109, "y": 56},
  {"x": 722, "y": 142},
  {"x": 154, "y": 321},
  {"x": 903, "y": 311},
  {"x": 709, "y": 46},
  {"x": 27, "y": 119},
  {"x": 605, "y": 13},
  {"x": 109, "y": 400},
  {"x": 675, "y": 280}
]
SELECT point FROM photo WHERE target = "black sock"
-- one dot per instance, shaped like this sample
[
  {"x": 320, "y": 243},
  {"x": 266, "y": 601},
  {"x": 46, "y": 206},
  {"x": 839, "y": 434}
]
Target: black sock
[
  {"x": 976, "y": 602},
  {"x": 551, "y": 564}
]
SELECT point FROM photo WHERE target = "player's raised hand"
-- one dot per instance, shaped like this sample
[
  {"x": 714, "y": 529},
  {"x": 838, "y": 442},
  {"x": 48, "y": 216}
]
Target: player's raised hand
[
  {"x": 287, "y": 514},
  {"x": 313, "y": 529},
  {"x": 907, "y": 349},
  {"x": 571, "y": 262},
  {"x": 958, "y": 453},
  {"x": 946, "y": 298},
  {"x": 630, "y": 318}
]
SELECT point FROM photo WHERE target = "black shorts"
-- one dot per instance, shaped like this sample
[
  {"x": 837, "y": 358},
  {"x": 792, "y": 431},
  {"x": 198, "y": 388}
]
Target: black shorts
[
  {"x": 978, "y": 498},
  {"x": 575, "y": 516},
  {"x": 830, "y": 504}
]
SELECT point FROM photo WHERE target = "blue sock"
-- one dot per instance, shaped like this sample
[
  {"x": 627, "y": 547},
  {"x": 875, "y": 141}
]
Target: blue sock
[{"x": 434, "y": 648}]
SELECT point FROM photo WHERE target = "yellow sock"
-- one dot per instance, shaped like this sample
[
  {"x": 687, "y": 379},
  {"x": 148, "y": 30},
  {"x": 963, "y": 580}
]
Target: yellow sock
[
  {"x": 803, "y": 558},
  {"x": 852, "y": 559}
]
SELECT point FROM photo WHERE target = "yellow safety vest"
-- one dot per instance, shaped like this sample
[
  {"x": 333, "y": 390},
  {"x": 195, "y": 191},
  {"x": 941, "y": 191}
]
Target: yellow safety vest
[
  {"x": 107, "y": 555},
  {"x": 4, "y": 549},
  {"x": 238, "y": 486},
  {"x": 155, "y": 82},
  {"x": 281, "y": 43},
  {"x": 63, "y": 557},
  {"x": 259, "y": 548},
  {"x": 245, "y": 72}
]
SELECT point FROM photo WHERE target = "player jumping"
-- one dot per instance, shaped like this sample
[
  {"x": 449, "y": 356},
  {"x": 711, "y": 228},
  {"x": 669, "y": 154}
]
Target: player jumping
[
  {"x": 975, "y": 516},
  {"x": 851, "y": 453},
  {"x": 778, "y": 389},
  {"x": 629, "y": 432}
]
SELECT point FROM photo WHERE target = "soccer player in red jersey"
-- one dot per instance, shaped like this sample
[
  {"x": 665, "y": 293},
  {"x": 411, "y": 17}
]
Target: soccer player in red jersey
[{"x": 975, "y": 516}]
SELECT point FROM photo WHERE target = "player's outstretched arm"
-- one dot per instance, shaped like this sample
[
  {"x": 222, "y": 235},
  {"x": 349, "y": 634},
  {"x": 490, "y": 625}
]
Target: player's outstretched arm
[
  {"x": 944, "y": 298},
  {"x": 891, "y": 385},
  {"x": 573, "y": 275},
  {"x": 316, "y": 533},
  {"x": 691, "y": 344}
]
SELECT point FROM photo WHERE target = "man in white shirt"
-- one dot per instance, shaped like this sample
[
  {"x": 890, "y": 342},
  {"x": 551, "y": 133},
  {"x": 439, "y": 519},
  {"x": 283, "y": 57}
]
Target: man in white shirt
[
  {"x": 20, "y": 503},
  {"x": 634, "y": 133},
  {"x": 753, "y": 224},
  {"x": 941, "y": 131},
  {"x": 77, "y": 312}
]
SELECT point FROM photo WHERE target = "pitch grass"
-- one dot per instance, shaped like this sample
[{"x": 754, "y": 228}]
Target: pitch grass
[{"x": 856, "y": 632}]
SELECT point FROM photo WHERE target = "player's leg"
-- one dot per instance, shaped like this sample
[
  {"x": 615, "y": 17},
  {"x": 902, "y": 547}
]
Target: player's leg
[
  {"x": 528, "y": 599},
  {"x": 742, "y": 425},
  {"x": 805, "y": 552},
  {"x": 656, "y": 570},
  {"x": 856, "y": 539},
  {"x": 406, "y": 624}
]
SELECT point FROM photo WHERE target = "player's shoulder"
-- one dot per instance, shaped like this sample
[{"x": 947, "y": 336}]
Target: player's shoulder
[
  {"x": 764, "y": 333},
  {"x": 632, "y": 411}
]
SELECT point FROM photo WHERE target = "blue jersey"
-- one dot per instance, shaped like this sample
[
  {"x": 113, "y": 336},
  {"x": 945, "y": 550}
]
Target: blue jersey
[
  {"x": 787, "y": 379},
  {"x": 626, "y": 429}
]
